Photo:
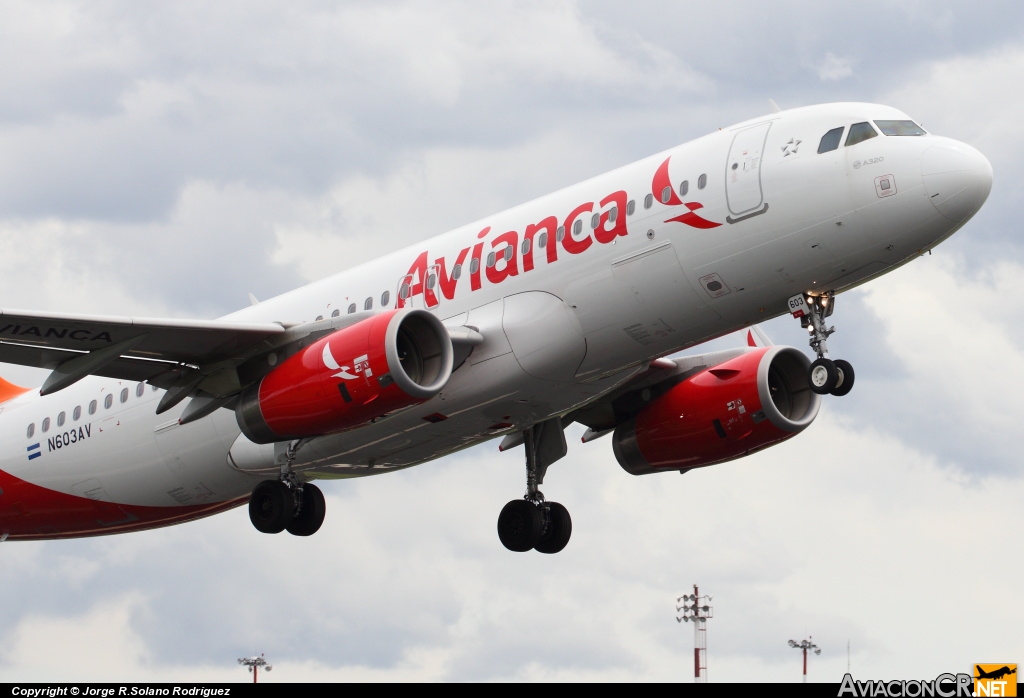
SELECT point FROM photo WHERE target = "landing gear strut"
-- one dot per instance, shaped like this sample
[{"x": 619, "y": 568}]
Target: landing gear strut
[
  {"x": 287, "y": 504},
  {"x": 531, "y": 522},
  {"x": 826, "y": 376}
]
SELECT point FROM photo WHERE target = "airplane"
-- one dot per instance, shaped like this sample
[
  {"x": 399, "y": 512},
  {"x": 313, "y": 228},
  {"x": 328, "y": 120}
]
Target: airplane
[
  {"x": 995, "y": 674},
  {"x": 562, "y": 310}
]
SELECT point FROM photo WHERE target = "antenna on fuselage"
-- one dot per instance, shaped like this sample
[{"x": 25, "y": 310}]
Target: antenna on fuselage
[{"x": 774, "y": 107}]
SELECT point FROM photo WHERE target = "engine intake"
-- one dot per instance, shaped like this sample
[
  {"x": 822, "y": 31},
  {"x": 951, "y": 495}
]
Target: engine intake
[
  {"x": 393, "y": 360},
  {"x": 725, "y": 412}
]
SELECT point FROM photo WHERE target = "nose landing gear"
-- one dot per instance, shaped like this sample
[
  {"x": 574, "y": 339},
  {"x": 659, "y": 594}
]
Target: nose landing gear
[
  {"x": 826, "y": 376},
  {"x": 531, "y": 522}
]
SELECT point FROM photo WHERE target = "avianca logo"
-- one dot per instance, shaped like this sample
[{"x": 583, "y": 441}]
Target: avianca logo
[
  {"x": 361, "y": 364},
  {"x": 511, "y": 253},
  {"x": 663, "y": 191}
]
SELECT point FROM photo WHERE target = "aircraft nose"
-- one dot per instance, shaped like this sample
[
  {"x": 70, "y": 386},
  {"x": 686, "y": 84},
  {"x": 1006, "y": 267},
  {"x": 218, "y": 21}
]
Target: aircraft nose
[{"x": 957, "y": 178}]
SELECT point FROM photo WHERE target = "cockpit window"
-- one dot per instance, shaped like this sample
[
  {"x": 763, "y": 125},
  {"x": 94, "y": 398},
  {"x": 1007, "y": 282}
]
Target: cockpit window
[
  {"x": 830, "y": 141},
  {"x": 900, "y": 128},
  {"x": 860, "y": 132}
]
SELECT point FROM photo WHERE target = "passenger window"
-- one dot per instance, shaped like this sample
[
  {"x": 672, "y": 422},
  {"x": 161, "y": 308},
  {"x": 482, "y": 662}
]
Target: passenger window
[
  {"x": 60, "y": 419},
  {"x": 508, "y": 253},
  {"x": 336, "y": 312},
  {"x": 648, "y": 200},
  {"x": 108, "y": 401},
  {"x": 474, "y": 266},
  {"x": 351, "y": 308},
  {"x": 830, "y": 141},
  {"x": 385, "y": 298},
  {"x": 613, "y": 213},
  {"x": 124, "y": 395},
  {"x": 702, "y": 181},
  {"x": 630, "y": 207},
  {"x": 92, "y": 406},
  {"x": 525, "y": 247},
  {"x": 31, "y": 430},
  {"x": 403, "y": 292},
  {"x": 431, "y": 281},
  {"x": 666, "y": 195},
  {"x": 77, "y": 414},
  {"x": 684, "y": 187},
  {"x": 457, "y": 271},
  {"x": 594, "y": 220},
  {"x": 577, "y": 227},
  {"x": 368, "y": 304},
  {"x": 46, "y": 425},
  {"x": 560, "y": 233},
  {"x": 490, "y": 260},
  {"x": 860, "y": 132},
  {"x": 140, "y": 389},
  {"x": 318, "y": 318}
]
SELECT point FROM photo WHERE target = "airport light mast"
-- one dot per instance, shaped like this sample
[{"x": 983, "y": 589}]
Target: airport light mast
[
  {"x": 696, "y": 610},
  {"x": 254, "y": 664},
  {"x": 805, "y": 645}
]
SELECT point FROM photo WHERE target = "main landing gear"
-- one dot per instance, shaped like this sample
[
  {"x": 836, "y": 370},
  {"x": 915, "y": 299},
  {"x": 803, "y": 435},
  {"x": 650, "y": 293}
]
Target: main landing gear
[
  {"x": 826, "y": 376},
  {"x": 277, "y": 505},
  {"x": 532, "y": 522},
  {"x": 286, "y": 504}
]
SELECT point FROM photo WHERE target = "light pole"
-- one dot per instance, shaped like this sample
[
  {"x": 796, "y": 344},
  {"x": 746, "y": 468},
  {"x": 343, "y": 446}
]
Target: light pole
[
  {"x": 805, "y": 645},
  {"x": 254, "y": 664},
  {"x": 696, "y": 610}
]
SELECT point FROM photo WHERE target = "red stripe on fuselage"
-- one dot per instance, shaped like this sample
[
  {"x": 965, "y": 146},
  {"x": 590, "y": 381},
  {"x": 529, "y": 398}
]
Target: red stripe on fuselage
[{"x": 31, "y": 512}]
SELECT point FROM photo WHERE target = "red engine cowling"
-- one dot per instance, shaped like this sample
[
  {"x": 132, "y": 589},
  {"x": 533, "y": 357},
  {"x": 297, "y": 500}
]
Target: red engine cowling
[
  {"x": 743, "y": 405},
  {"x": 392, "y": 360}
]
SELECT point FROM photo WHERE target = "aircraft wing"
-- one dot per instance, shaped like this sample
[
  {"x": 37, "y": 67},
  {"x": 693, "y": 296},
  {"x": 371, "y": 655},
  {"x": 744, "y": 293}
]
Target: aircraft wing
[
  {"x": 126, "y": 347},
  {"x": 605, "y": 413}
]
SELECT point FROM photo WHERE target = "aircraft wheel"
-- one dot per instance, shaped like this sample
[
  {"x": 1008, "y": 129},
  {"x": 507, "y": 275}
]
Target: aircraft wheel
[
  {"x": 311, "y": 516},
  {"x": 520, "y": 524},
  {"x": 271, "y": 506},
  {"x": 558, "y": 533},
  {"x": 845, "y": 383},
  {"x": 823, "y": 376}
]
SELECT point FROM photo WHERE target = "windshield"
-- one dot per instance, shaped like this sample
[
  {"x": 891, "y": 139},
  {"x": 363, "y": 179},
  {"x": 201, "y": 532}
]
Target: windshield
[{"x": 900, "y": 128}]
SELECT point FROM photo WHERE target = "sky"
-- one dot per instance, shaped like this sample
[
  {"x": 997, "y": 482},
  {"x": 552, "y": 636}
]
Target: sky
[{"x": 168, "y": 158}]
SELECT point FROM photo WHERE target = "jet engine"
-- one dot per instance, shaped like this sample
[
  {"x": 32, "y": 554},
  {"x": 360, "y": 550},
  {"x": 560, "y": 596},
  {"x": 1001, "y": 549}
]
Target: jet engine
[
  {"x": 359, "y": 373},
  {"x": 730, "y": 410}
]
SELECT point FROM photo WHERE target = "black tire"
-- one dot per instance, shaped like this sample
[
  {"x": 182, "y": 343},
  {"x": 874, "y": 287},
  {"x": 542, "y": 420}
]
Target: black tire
[
  {"x": 271, "y": 506},
  {"x": 520, "y": 524},
  {"x": 845, "y": 383},
  {"x": 311, "y": 516},
  {"x": 556, "y": 537},
  {"x": 823, "y": 376}
]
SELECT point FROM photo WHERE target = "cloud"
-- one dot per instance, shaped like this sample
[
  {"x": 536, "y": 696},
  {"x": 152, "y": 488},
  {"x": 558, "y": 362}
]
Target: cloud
[{"x": 834, "y": 67}]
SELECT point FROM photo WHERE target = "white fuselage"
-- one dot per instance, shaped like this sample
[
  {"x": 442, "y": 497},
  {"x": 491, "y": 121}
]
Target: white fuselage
[{"x": 763, "y": 216}]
